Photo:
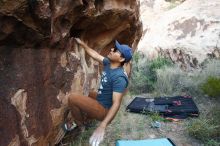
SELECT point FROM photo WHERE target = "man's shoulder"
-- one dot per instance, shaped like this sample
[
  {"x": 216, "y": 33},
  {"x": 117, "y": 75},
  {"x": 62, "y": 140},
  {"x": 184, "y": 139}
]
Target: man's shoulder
[
  {"x": 120, "y": 73},
  {"x": 106, "y": 61},
  {"x": 121, "y": 79}
]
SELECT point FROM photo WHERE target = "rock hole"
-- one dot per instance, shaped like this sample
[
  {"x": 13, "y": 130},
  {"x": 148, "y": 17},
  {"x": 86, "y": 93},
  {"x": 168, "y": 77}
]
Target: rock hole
[{"x": 75, "y": 32}]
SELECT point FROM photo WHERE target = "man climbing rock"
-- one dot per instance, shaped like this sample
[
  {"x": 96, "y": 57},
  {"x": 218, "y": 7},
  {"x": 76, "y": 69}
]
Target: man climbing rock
[{"x": 104, "y": 104}]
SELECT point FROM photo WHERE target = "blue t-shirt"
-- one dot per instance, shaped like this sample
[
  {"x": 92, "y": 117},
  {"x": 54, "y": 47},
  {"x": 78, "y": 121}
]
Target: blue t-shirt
[{"x": 112, "y": 80}]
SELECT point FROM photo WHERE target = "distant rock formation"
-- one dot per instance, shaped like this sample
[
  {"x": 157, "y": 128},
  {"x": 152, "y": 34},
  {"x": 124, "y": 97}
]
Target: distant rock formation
[
  {"x": 187, "y": 32},
  {"x": 40, "y": 62}
]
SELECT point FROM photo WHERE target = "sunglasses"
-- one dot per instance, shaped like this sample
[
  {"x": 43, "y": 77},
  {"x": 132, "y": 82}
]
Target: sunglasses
[{"x": 115, "y": 50}]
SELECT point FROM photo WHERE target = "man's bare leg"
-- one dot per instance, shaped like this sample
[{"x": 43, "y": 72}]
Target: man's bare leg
[{"x": 87, "y": 105}]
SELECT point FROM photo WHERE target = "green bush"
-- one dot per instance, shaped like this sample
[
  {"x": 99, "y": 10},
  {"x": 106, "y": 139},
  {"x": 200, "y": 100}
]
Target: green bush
[
  {"x": 215, "y": 118},
  {"x": 206, "y": 128},
  {"x": 212, "y": 142},
  {"x": 212, "y": 87},
  {"x": 143, "y": 75},
  {"x": 139, "y": 82},
  {"x": 156, "y": 64},
  {"x": 202, "y": 129},
  {"x": 172, "y": 80}
]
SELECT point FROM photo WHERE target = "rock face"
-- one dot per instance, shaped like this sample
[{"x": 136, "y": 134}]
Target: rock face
[
  {"x": 188, "y": 33},
  {"x": 40, "y": 62}
]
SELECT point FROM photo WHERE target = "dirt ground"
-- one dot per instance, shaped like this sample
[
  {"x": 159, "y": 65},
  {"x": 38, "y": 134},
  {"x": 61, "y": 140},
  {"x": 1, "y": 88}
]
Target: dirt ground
[
  {"x": 132, "y": 126},
  {"x": 138, "y": 126}
]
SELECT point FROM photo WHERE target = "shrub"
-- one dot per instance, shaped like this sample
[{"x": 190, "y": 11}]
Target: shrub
[
  {"x": 191, "y": 84},
  {"x": 169, "y": 80},
  {"x": 202, "y": 129},
  {"x": 212, "y": 142},
  {"x": 215, "y": 116},
  {"x": 212, "y": 87},
  {"x": 206, "y": 128},
  {"x": 194, "y": 79},
  {"x": 155, "y": 116},
  {"x": 155, "y": 64},
  {"x": 139, "y": 82},
  {"x": 172, "y": 80},
  {"x": 210, "y": 68},
  {"x": 143, "y": 76}
]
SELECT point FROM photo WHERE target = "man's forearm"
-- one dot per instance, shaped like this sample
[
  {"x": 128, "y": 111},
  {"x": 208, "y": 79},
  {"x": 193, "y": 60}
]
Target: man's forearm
[
  {"x": 110, "y": 115},
  {"x": 89, "y": 50},
  {"x": 95, "y": 55}
]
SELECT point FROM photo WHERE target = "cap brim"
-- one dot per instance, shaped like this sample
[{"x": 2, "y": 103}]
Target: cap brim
[{"x": 118, "y": 46}]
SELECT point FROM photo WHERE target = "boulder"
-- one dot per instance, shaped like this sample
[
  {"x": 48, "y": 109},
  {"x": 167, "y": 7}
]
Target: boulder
[
  {"x": 187, "y": 31},
  {"x": 40, "y": 62}
]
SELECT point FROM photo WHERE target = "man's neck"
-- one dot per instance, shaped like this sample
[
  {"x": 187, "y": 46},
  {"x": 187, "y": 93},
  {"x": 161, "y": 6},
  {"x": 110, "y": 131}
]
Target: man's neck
[{"x": 114, "y": 65}]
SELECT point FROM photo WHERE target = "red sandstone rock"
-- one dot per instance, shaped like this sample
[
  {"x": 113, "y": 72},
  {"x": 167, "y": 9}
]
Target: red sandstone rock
[{"x": 40, "y": 62}]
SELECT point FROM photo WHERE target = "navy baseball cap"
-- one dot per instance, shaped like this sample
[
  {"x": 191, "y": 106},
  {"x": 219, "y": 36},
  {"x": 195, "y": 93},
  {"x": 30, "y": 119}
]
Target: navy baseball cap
[{"x": 125, "y": 50}]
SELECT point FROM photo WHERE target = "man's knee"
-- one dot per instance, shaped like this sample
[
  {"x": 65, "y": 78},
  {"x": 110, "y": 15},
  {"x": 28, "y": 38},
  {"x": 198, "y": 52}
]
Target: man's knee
[
  {"x": 93, "y": 94},
  {"x": 72, "y": 98}
]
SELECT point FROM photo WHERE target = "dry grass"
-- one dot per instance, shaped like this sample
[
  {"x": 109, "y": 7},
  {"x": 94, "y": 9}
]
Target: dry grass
[
  {"x": 124, "y": 126},
  {"x": 170, "y": 81},
  {"x": 131, "y": 126}
]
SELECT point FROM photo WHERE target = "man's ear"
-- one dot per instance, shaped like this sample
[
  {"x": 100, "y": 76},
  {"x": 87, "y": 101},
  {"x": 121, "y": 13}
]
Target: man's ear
[{"x": 122, "y": 59}]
